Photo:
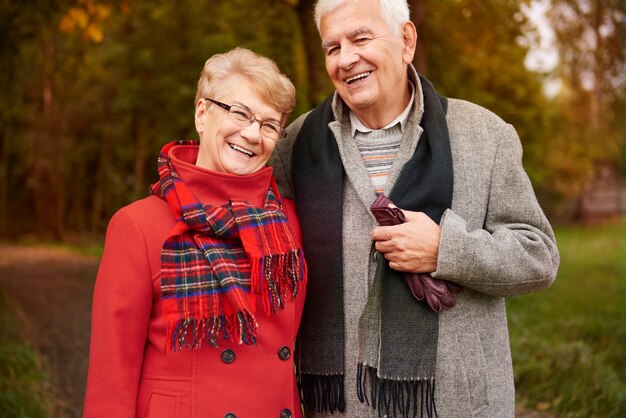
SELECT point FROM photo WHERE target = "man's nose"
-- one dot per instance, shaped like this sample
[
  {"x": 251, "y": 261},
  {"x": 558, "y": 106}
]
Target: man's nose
[{"x": 348, "y": 56}]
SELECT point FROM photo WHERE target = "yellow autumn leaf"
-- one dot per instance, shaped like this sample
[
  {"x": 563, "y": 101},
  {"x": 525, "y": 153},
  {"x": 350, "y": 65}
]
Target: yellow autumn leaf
[
  {"x": 67, "y": 24},
  {"x": 94, "y": 33},
  {"x": 102, "y": 11},
  {"x": 80, "y": 16},
  {"x": 75, "y": 18}
]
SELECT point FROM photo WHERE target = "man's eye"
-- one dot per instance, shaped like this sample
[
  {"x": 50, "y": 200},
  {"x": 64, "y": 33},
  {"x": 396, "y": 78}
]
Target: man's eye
[
  {"x": 332, "y": 50},
  {"x": 362, "y": 40}
]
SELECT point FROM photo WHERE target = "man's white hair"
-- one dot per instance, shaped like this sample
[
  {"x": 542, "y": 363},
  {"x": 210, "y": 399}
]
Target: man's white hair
[{"x": 394, "y": 12}]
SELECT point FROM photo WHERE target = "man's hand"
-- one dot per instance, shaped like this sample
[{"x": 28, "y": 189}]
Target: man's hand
[{"x": 412, "y": 246}]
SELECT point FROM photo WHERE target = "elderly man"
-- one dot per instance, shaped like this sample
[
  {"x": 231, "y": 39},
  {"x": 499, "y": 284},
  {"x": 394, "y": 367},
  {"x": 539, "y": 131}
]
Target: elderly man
[{"x": 367, "y": 346}]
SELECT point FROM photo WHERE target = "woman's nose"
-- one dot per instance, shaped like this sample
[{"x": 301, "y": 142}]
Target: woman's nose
[{"x": 252, "y": 132}]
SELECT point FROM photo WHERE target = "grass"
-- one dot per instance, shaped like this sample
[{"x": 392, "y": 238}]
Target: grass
[
  {"x": 22, "y": 379},
  {"x": 568, "y": 341}
]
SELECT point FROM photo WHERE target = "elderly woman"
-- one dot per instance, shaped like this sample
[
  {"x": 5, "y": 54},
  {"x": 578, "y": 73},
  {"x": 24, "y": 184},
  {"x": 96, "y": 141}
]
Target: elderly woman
[{"x": 201, "y": 285}]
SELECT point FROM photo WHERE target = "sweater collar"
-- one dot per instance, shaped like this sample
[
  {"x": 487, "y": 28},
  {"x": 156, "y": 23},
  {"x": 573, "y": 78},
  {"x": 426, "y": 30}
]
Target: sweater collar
[{"x": 402, "y": 118}]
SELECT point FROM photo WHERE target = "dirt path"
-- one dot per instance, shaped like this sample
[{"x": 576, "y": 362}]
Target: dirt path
[{"x": 53, "y": 287}]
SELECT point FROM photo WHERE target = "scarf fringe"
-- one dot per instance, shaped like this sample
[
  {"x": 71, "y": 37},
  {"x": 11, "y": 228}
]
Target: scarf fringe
[
  {"x": 190, "y": 333},
  {"x": 322, "y": 392},
  {"x": 393, "y": 398},
  {"x": 278, "y": 275}
]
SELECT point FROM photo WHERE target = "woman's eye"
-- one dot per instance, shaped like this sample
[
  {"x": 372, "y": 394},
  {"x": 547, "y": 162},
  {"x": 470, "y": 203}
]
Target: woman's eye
[
  {"x": 239, "y": 114},
  {"x": 271, "y": 128}
]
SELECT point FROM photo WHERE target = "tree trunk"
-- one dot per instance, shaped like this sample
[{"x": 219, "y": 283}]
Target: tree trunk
[
  {"x": 4, "y": 180},
  {"x": 139, "y": 172},
  {"x": 98, "y": 194},
  {"x": 48, "y": 191},
  {"x": 596, "y": 102},
  {"x": 318, "y": 79}
]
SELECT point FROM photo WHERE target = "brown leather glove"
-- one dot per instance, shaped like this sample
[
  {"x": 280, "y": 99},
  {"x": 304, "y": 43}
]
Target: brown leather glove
[{"x": 439, "y": 294}]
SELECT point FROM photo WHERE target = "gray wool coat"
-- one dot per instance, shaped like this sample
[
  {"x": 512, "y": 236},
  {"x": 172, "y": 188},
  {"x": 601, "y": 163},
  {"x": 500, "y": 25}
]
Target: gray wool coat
[{"x": 495, "y": 242}]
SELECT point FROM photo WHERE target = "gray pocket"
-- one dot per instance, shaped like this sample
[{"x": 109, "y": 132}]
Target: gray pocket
[{"x": 475, "y": 370}]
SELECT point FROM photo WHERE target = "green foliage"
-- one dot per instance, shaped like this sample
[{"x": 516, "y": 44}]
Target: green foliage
[
  {"x": 94, "y": 88},
  {"x": 105, "y": 85},
  {"x": 567, "y": 342},
  {"x": 589, "y": 130},
  {"x": 476, "y": 52},
  {"x": 22, "y": 379}
]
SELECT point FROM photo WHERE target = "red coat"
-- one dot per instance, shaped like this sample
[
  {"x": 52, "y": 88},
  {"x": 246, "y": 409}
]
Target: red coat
[{"x": 130, "y": 375}]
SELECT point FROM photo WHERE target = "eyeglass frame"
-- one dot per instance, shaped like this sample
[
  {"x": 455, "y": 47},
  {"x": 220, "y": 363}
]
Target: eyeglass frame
[{"x": 227, "y": 108}]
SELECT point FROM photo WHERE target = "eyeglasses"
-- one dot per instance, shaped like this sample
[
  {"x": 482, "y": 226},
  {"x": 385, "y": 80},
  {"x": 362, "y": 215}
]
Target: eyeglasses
[{"x": 242, "y": 116}]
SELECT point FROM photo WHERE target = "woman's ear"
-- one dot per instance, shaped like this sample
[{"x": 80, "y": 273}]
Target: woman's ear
[
  {"x": 201, "y": 110},
  {"x": 409, "y": 39}
]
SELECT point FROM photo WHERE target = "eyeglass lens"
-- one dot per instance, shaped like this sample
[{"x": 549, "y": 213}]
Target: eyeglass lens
[{"x": 270, "y": 130}]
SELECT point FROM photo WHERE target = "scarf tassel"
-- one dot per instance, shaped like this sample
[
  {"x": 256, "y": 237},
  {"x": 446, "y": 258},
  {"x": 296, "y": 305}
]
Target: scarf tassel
[
  {"x": 322, "y": 392},
  {"x": 403, "y": 398},
  {"x": 278, "y": 275},
  {"x": 189, "y": 333}
]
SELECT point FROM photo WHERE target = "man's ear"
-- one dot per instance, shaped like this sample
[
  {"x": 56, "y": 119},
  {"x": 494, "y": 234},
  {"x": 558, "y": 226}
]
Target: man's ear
[
  {"x": 201, "y": 110},
  {"x": 409, "y": 39}
]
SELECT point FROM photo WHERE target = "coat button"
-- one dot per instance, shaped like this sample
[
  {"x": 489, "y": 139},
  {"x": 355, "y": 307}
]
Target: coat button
[
  {"x": 230, "y": 415},
  {"x": 284, "y": 353},
  {"x": 285, "y": 413},
  {"x": 228, "y": 356}
]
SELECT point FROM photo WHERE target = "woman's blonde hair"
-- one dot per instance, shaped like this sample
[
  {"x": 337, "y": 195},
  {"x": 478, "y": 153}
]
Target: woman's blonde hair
[{"x": 274, "y": 87}]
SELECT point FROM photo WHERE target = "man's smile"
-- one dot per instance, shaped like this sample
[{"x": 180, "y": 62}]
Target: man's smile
[{"x": 358, "y": 77}]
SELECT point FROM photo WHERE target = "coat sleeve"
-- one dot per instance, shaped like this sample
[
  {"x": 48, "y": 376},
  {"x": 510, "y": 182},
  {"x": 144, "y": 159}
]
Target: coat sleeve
[
  {"x": 120, "y": 315},
  {"x": 515, "y": 250}
]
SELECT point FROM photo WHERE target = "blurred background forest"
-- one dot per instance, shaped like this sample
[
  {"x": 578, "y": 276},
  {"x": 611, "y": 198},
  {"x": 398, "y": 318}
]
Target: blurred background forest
[{"x": 91, "y": 90}]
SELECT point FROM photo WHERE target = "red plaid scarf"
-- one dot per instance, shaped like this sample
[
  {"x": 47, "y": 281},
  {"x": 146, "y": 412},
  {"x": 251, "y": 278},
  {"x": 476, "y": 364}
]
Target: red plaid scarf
[{"x": 217, "y": 259}]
